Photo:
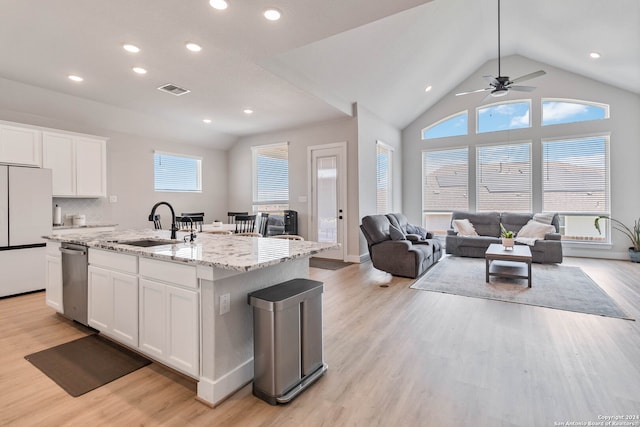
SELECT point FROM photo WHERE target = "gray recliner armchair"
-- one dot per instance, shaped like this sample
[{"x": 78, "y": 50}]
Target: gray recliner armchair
[{"x": 406, "y": 254}]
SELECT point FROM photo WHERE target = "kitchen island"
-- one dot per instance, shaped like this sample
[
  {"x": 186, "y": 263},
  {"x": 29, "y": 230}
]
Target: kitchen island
[{"x": 183, "y": 304}]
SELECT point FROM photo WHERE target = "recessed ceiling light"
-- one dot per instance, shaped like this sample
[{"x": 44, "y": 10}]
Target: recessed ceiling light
[
  {"x": 131, "y": 48},
  {"x": 428, "y": 88},
  {"x": 206, "y": 120},
  {"x": 193, "y": 47},
  {"x": 139, "y": 70},
  {"x": 272, "y": 14},
  {"x": 594, "y": 55},
  {"x": 75, "y": 78},
  {"x": 247, "y": 111},
  {"x": 218, "y": 4}
]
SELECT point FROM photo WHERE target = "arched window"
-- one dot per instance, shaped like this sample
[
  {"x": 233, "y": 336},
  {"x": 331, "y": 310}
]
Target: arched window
[
  {"x": 455, "y": 125},
  {"x": 558, "y": 111},
  {"x": 504, "y": 116}
]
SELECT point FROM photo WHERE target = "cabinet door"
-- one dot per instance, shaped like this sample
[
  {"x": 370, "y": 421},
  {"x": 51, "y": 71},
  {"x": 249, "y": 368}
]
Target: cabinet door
[
  {"x": 100, "y": 310},
  {"x": 54, "y": 282},
  {"x": 21, "y": 146},
  {"x": 125, "y": 308},
  {"x": 90, "y": 167},
  {"x": 152, "y": 318},
  {"x": 182, "y": 339},
  {"x": 59, "y": 156}
]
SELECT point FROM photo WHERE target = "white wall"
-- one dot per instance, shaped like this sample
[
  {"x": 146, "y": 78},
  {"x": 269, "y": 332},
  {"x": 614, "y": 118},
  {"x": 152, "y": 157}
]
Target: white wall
[
  {"x": 342, "y": 130},
  {"x": 370, "y": 130},
  {"x": 129, "y": 163},
  {"x": 624, "y": 126}
]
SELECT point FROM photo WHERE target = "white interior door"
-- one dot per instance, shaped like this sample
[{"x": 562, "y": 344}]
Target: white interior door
[{"x": 328, "y": 197}]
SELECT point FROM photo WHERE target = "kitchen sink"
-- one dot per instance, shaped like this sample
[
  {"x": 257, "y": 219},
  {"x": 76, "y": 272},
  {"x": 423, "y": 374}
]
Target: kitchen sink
[{"x": 147, "y": 243}]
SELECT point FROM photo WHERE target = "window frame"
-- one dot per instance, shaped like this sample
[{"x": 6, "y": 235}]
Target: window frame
[
  {"x": 439, "y": 122},
  {"x": 381, "y": 146},
  {"x": 495, "y": 104},
  {"x": 606, "y": 107},
  {"x": 275, "y": 204},
  {"x": 198, "y": 172}
]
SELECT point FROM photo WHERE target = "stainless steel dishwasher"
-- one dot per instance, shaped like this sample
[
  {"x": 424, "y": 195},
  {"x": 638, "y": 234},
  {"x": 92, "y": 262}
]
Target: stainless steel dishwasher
[{"x": 74, "y": 282}]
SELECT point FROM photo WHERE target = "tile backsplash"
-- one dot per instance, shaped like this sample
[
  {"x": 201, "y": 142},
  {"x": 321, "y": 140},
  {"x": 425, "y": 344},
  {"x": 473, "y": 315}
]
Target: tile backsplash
[{"x": 92, "y": 209}]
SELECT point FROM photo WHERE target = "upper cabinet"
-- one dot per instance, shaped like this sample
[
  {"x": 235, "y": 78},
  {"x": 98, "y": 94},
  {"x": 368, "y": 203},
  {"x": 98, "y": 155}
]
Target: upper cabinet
[
  {"x": 20, "y": 146},
  {"x": 78, "y": 163}
]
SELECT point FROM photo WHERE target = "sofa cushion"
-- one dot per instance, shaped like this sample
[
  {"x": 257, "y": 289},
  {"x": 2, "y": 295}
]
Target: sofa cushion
[
  {"x": 485, "y": 223},
  {"x": 464, "y": 227},
  {"x": 395, "y": 233},
  {"x": 515, "y": 221},
  {"x": 375, "y": 228}
]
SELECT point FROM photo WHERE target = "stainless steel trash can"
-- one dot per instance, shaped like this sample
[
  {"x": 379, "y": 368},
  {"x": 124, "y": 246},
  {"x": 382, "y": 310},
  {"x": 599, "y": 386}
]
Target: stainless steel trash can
[{"x": 287, "y": 339}]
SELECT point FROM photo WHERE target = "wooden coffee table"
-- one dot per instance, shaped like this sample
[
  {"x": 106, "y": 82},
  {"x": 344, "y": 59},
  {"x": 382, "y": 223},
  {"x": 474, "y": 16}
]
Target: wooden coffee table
[{"x": 501, "y": 262}]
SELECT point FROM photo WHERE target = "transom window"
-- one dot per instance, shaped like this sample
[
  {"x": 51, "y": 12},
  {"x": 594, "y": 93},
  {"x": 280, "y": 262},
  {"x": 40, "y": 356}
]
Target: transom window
[
  {"x": 504, "y": 116},
  {"x": 558, "y": 111},
  {"x": 449, "y": 126},
  {"x": 175, "y": 172}
]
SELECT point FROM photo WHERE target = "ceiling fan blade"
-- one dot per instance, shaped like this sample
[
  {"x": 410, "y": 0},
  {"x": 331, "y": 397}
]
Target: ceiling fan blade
[
  {"x": 529, "y": 76},
  {"x": 474, "y": 91},
  {"x": 522, "y": 88},
  {"x": 492, "y": 80}
]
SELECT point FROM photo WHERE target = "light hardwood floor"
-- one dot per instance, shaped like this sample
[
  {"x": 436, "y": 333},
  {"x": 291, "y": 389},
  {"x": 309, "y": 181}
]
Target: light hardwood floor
[{"x": 396, "y": 356}]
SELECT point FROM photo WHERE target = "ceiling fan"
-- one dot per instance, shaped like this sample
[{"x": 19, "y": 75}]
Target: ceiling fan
[{"x": 501, "y": 85}]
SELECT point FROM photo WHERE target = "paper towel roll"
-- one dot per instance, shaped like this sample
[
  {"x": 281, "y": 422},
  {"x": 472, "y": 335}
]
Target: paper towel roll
[{"x": 57, "y": 216}]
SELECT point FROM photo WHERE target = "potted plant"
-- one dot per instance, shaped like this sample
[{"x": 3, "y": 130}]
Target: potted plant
[
  {"x": 507, "y": 237},
  {"x": 633, "y": 234}
]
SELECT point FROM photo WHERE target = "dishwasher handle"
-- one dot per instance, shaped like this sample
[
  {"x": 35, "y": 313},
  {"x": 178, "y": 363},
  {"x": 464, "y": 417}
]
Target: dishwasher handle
[{"x": 72, "y": 251}]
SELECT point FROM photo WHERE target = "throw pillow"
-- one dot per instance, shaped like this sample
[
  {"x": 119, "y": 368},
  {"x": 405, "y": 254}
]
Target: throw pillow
[
  {"x": 535, "y": 229},
  {"x": 543, "y": 218},
  {"x": 415, "y": 229},
  {"x": 396, "y": 233},
  {"x": 464, "y": 227}
]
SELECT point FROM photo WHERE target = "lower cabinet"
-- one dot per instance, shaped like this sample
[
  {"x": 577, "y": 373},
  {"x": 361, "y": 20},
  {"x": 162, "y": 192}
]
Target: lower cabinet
[
  {"x": 113, "y": 304},
  {"x": 53, "y": 278},
  {"x": 169, "y": 325}
]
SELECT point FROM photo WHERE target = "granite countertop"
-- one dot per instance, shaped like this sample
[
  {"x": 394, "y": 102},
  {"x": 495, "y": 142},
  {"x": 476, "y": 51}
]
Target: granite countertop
[
  {"x": 240, "y": 253},
  {"x": 70, "y": 227}
]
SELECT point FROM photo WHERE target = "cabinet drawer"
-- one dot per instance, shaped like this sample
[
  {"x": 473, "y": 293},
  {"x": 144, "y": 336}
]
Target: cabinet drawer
[
  {"x": 113, "y": 261},
  {"x": 169, "y": 272}
]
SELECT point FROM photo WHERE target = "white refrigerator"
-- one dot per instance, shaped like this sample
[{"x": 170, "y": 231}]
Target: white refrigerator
[{"x": 25, "y": 216}]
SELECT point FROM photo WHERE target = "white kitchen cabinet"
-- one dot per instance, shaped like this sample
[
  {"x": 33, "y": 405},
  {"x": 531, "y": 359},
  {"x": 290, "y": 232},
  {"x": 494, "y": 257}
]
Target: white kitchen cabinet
[
  {"x": 78, "y": 163},
  {"x": 20, "y": 145},
  {"x": 169, "y": 328},
  {"x": 53, "y": 278},
  {"x": 113, "y": 295}
]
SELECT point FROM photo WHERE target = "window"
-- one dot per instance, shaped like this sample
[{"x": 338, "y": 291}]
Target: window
[
  {"x": 504, "y": 116},
  {"x": 384, "y": 174},
  {"x": 449, "y": 126},
  {"x": 445, "y": 183},
  {"x": 575, "y": 183},
  {"x": 174, "y": 172},
  {"x": 271, "y": 177},
  {"x": 557, "y": 111},
  {"x": 503, "y": 177}
]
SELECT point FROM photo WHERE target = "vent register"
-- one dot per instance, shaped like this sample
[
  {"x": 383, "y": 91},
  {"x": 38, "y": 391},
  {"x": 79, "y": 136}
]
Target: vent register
[{"x": 173, "y": 89}]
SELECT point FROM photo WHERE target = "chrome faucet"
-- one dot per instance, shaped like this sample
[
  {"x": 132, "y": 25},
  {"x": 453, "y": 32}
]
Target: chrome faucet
[
  {"x": 173, "y": 217},
  {"x": 192, "y": 231}
]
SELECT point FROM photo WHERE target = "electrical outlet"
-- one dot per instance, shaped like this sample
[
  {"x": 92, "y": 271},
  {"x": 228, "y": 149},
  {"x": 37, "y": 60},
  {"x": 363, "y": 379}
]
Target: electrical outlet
[
  {"x": 113, "y": 199},
  {"x": 225, "y": 303}
]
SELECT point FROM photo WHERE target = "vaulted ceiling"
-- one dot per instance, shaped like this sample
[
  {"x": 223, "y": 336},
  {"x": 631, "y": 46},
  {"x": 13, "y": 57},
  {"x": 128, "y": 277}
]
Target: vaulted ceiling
[{"x": 309, "y": 66}]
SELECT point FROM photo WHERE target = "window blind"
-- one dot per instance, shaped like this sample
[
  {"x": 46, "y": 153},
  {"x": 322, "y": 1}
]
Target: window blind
[
  {"x": 271, "y": 174},
  {"x": 384, "y": 200},
  {"x": 445, "y": 180},
  {"x": 177, "y": 173},
  {"x": 575, "y": 176},
  {"x": 503, "y": 178}
]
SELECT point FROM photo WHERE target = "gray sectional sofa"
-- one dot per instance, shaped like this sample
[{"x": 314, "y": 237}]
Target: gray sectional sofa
[
  {"x": 487, "y": 225},
  {"x": 406, "y": 254}
]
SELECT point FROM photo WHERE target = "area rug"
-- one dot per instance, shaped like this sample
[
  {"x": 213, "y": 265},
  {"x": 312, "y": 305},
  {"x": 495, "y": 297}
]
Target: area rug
[
  {"x": 553, "y": 286},
  {"x": 327, "y": 264},
  {"x": 87, "y": 363}
]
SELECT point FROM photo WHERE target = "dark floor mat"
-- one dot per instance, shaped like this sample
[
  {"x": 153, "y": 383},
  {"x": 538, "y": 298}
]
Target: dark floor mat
[
  {"x": 327, "y": 264},
  {"x": 87, "y": 363}
]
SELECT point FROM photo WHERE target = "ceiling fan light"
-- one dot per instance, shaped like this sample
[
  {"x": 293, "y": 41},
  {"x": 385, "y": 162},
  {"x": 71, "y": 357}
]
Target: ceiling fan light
[
  {"x": 218, "y": 4},
  {"x": 499, "y": 92}
]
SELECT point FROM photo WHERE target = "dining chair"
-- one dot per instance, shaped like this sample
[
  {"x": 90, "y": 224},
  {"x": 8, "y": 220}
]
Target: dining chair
[
  {"x": 245, "y": 223},
  {"x": 287, "y": 236},
  {"x": 262, "y": 223},
  {"x": 232, "y": 216},
  {"x": 196, "y": 217}
]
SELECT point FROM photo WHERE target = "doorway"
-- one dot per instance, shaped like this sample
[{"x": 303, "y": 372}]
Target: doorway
[{"x": 328, "y": 190}]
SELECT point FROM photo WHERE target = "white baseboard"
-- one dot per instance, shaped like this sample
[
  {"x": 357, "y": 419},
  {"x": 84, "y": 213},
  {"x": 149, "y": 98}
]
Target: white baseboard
[{"x": 212, "y": 392}]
